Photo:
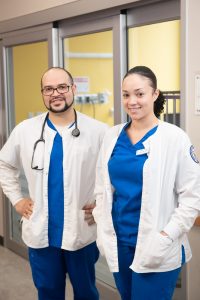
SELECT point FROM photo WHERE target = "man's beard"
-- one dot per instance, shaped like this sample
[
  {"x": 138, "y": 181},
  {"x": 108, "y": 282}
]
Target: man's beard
[{"x": 65, "y": 108}]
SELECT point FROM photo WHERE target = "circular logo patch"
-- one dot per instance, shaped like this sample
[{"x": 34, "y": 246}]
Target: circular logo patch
[{"x": 193, "y": 155}]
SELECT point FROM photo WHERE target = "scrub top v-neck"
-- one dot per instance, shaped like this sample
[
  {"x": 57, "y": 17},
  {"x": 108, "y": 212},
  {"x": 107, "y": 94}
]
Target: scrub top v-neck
[
  {"x": 126, "y": 174},
  {"x": 56, "y": 190}
]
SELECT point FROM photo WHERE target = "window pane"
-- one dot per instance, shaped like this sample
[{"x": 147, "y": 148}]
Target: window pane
[
  {"x": 90, "y": 60},
  {"x": 26, "y": 64},
  {"x": 158, "y": 47}
]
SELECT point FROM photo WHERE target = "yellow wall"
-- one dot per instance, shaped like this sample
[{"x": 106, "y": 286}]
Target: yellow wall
[
  {"x": 29, "y": 63},
  {"x": 99, "y": 70},
  {"x": 158, "y": 47}
]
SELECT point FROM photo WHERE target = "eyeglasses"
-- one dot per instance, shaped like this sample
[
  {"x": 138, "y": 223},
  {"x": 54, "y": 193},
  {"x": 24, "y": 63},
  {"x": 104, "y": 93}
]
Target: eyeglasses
[{"x": 61, "y": 89}]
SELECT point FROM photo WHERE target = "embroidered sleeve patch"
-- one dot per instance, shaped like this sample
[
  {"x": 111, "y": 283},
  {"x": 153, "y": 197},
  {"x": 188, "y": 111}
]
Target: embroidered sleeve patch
[{"x": 193, "y": 155}]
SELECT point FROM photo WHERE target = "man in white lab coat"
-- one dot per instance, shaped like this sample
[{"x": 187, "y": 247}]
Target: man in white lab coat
[{"x": 58, "y": 152}]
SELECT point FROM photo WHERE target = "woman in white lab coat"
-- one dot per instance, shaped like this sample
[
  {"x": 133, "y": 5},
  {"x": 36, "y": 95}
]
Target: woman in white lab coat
[{"x": 147, "y": 194}]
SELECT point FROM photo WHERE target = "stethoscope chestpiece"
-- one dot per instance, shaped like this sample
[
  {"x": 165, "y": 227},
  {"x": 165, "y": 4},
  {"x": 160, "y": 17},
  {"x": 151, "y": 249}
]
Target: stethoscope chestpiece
[{"x": 75, "y": 132}]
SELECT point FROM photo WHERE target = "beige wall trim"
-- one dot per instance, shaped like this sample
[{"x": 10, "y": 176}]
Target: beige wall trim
[{"x": 69, "y": 10}]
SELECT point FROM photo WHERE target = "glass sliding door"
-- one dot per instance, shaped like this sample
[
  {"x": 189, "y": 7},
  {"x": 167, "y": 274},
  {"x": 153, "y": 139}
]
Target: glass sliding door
[
  {"x": 89, "y": 58},
  {"x": 154, "y": 41},
  {"x": 26, "y": 102},
  {"x": 91, "y": 52},
  {"x": 26, "y": 57},
  {"x": 166, "y": 65},
  {"x": 164, "y": 60},
  {"x": 95, "y": 53}
]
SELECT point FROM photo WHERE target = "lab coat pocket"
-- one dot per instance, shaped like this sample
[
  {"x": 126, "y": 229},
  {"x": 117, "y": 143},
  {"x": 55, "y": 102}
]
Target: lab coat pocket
[{"x": 156, "y": 249}]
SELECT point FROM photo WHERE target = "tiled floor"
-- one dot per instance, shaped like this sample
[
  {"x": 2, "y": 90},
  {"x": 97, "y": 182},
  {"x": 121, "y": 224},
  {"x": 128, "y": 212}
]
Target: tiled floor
[{"x": 15, "y": 278}]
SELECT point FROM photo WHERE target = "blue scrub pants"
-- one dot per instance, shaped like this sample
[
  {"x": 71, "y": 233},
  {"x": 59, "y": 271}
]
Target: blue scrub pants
[
  {"x": 50, "y": 265},
  {"x": 143, "y": 286}
]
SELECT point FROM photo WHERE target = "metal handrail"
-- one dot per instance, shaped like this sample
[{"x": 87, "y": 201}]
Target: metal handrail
[{"x": 171, "y": 113}]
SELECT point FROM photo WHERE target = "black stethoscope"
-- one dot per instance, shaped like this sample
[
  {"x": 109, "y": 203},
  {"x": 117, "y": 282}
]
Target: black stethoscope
[{"x": 75, "y": 133}]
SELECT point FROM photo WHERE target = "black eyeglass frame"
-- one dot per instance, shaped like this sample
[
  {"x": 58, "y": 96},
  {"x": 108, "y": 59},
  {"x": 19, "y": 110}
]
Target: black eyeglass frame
[{"x": 56, "y": 89}]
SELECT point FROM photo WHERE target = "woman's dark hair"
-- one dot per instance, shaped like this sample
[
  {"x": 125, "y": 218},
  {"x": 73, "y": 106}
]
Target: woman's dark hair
[{"x": 148, "y": 73}]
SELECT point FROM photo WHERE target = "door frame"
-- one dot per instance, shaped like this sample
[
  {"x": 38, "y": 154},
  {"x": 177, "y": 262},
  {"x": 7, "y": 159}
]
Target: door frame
[
  {"x": 150, "y": 14},
  {"x": 26, "y": 36},
  {"x": 116, "y": 23}
]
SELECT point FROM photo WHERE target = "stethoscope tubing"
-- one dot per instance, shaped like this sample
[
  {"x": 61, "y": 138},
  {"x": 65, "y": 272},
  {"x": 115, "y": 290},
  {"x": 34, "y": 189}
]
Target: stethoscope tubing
[{"x": 75, "y": 133}]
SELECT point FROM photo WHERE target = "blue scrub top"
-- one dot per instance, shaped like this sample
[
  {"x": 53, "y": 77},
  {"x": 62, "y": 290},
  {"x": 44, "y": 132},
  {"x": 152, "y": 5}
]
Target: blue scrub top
[
  {"x": 126, "y": 175},
  {"x": 55, "y": 192}
]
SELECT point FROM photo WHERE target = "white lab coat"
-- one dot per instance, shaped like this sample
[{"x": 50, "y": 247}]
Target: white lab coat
[
  {"x": 79, "y": 162},
  {"x": 170, "y": 201}
]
